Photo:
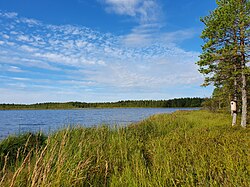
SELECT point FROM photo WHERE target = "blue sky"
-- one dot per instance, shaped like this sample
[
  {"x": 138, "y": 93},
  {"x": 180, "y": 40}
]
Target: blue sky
[{"x": 100, "y": 50}]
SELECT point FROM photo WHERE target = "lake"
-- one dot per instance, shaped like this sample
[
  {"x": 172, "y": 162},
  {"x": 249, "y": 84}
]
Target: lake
[{"x": 20, "y": 121}]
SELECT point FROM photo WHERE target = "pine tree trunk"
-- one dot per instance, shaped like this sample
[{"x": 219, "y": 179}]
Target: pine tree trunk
[
  {"x": 244, "y": 101},
  {"x": 243, "y": 66},
  {"x": 234, "y": 113}
]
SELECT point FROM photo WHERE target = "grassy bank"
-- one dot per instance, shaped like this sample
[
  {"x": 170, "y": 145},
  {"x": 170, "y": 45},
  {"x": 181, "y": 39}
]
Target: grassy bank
[{"x": 195, "y": 148}]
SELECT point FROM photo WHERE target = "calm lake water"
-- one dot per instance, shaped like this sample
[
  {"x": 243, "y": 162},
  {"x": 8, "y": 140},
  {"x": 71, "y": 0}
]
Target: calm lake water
[{"x": 20, "y": 121}]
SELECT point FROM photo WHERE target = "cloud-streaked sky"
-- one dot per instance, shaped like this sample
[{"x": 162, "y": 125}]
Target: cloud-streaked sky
[{"x": 100, "y": 50}]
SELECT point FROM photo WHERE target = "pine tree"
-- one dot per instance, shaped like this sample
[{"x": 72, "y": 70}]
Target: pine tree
[{"x": 226, "y": 50}]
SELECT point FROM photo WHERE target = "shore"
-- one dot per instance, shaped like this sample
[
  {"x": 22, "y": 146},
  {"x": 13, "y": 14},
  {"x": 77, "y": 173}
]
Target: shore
[{"x": 185, "y": 148}]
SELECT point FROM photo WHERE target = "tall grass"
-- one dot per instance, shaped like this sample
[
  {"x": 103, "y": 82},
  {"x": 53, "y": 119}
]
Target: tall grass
[{"x": 195, "y": 148}]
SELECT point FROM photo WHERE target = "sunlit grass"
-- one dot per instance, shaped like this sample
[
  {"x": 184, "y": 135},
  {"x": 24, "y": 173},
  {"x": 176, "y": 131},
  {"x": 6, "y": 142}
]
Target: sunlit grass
[{"x": 195, "y": 148}]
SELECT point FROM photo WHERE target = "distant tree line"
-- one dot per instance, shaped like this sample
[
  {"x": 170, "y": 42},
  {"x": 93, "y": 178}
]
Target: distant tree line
[{"x": 180, "y": 102}]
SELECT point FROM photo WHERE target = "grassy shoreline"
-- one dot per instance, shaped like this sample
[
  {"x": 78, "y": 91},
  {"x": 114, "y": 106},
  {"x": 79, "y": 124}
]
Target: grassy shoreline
[{"x": 186, "y": 148}]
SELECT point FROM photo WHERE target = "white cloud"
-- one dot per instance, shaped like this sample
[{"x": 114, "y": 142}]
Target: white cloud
[
  {"x": 144, "y": 11},
  {"x": 10, "y": 43},
  {"x": 123, "y": 7},
  {"x": 141, "y": 35},
  {"x": 178, "y": 36},
  {"x": 15, "y": 69},
  {"x": 13, "y": 32},
  {"x": 30, "y": 22},
  {"x": 28, "y": 48},
  {"x": 6, "y": 36},
  {"x": 20, "y": 78},
  {"x": 80, "y": 43},
  {"x": 8, "y": 14},
  {"x": 24, "y": 38},
  {"x": 65, "y": 59},
  {"x": 137, "y": 40},
  {"x": 149, "y": 34},
  {"x": 7, "y": 68}
]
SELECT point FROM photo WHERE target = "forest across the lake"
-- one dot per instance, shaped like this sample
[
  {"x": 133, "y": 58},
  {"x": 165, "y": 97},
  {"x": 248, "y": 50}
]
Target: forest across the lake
[{"x": 178, "y": 102}]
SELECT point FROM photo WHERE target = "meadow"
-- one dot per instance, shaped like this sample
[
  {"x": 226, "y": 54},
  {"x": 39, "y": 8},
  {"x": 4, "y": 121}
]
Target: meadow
[{"x": 185, "y": 148}]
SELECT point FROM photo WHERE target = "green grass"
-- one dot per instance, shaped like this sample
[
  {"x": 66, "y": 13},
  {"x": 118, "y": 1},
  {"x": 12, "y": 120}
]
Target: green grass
[{"x": 195, "y": 148}]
